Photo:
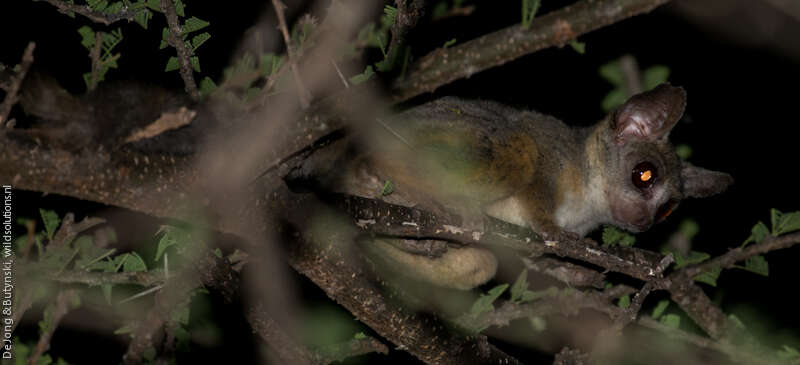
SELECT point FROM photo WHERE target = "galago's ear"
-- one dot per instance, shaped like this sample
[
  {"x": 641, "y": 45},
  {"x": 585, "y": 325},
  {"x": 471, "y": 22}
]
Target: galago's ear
[
  {"x": 649, "y": 115},
  {"x": 699, "y": 183}
]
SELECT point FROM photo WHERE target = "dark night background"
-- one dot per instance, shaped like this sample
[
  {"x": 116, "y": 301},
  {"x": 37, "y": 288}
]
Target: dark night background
[{"x": 740, "y": 118}]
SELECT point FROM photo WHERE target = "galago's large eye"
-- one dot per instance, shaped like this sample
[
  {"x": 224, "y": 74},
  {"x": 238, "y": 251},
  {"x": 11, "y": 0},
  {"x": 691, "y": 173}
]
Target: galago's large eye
[{"x": 644, "y": 175}]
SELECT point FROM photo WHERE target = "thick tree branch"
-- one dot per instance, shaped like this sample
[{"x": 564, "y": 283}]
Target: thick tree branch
[
  {"x": 446, "y": 65},
  {"x": 379, "y": 217}
]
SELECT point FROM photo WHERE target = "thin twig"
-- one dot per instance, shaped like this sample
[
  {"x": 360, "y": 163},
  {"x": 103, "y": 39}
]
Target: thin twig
[
  {"x": 94, "y": 55},
  {"x": 12, "y": 95},
  {"x": 443, "y": 66},
  {"x": 341, "y": 76},
  {"x": 95, "y": 16},
  {"x": 631, "y": 75},
  {"x": 301, "y": 90},
  {"x": 184, "y": 54},
  {"x": 64, "y": 302}
]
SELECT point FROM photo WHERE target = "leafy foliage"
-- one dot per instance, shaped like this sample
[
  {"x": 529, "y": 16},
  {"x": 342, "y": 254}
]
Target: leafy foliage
[
  {"x": 709, "y": 277},
  {"x": 624, "y": 301},
  {"x": 757, "y": 233},
  {"x": 613, "y": 236},
  {"x": 51, "y": 222},
  {"x": 484, "y": 302},
  {"x": 659, "y": 309},
  {"x": 387, "y": 188},
  {"x": 520, "y": 292},
  {"x": 579, "y": 47},
  {"x": 362, "y": 77},
  {"x": 107, "y": 60},
  {"x": 784, "y": 222},
  {"x": 757, "y": 264}
]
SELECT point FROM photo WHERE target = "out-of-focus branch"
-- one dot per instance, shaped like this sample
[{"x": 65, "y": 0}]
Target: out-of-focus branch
[
  {"x": 64, "y": 302},
  {"x": 446, "y": 65},
  {"x": 12, "y": 93},
  {"x": 302, "y": 92}
]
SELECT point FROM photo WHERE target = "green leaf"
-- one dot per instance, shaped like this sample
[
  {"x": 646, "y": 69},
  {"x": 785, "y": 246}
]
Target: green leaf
[
  {"x": 613, "y": 99},
  {"x": 612, "y": 72},
  {"x": 387, "y": 188},
  {"x": 134, "y": 262},
  {"x": 207, "y": 86},
  {"x": 695, "y": 257},
  {"x": 21, "y": 351},
  {"x": 389, "y": 16},
  {"x": 181, "y": 314},
  {"x": 538, "y": 323},
  {"x": 270, "y": 63},
  {"x": 179, "y": 8},
  {"x": 126, "y": 329},
  {"x": 689, "y": 228},
  {"x": 785, "y": 222},
  {"x": 164, "y": 37},
  {"x": 757, "y": 264},
  {"x": 193, "y": 24},
  {"x": 579, "y": 47},
  {"x": 529, "y": 295},
  {"x": 439, "y": 10},
  {"x": 654, "y": 76},
  {"x": 218, "y": 253},
  {"x": 449, "y": 43},
  {"x": 484, "y": 302},
  {"x": 774, "y": 217},
  {"x": 757, "y": 233},
  {"x": 182, "y": 337},
  {"x": 154, "y": 5},
  {"x": 172, "y": 64},
  {"x": 166, "y": 241},
  {"x": 709, "y": 277},
  {"x": 520, "y": 286},
  {"x": 660, "y": 308},
  {"x": 736, "y": 321},
  {"x": 97, "y": 5},
  {"x": 195, "y": 63},
  {"x": 362, "y": 77},
  {"x": 613, "y": 236},
  {"x": 114, "y": 8},
  {"x": 684, "y": 151},
  {"x": 624, "y": 301},
  {"x": 360, "y": 336},
  {"x": 671, "y": 320},
  {"x": 788, "y": 353},
  {"x": 142, "y": 17},
  {"x": 51, "y": 222},
  {"x": 149, "y": 354},
  {"x": 87, "y": 37},
  {"x": 529, "y": 9},
  {"x": 199, "y": 39}
]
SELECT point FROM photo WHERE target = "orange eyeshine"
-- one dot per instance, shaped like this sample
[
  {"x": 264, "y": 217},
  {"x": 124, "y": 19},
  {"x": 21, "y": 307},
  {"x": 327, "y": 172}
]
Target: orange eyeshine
[{"x": 645, "y": 176}]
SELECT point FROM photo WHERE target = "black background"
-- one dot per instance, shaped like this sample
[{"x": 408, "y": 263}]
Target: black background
[{"x": 741, "y": 118}]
